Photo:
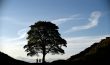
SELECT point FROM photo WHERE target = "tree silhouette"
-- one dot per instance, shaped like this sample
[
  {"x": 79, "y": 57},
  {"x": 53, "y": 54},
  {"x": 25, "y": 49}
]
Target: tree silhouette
[{"x": 43, "y": 37}]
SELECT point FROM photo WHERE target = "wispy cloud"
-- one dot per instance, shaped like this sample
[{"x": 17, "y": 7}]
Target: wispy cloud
[
  {"x": 93, "y": 21},
  {"x": 21, "y": 35},
  {"x": 66, "y": 19}
]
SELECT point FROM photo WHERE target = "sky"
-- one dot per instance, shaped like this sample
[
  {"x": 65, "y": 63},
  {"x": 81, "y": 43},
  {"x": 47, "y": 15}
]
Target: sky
[{"x": 80, "y": 22}]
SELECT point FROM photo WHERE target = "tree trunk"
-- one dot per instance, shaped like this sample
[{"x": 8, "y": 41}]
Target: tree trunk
[
  {"x": 43, "y": 59},
  {"x": 44, "y": 50},
  {"x": 44, "y": 53}
]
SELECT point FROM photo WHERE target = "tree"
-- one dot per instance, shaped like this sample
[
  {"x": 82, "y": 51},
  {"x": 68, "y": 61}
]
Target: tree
[{"x": 43, "y": 37}]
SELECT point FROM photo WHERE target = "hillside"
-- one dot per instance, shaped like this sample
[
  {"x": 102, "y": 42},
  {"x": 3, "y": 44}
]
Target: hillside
[
  {"x": 98, "y": 53},
  {"x": 5, "y": 59}
]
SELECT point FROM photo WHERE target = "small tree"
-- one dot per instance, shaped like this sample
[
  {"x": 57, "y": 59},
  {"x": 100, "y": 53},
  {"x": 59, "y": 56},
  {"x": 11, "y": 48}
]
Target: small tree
[{"x": 43, "y": 37}]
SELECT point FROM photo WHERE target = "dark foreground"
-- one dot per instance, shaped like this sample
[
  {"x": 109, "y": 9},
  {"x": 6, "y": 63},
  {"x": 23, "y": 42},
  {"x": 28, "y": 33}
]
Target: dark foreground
[{"x": 97, "y": 54}]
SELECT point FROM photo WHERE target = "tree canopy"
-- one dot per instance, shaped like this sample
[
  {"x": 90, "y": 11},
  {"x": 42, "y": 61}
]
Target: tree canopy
[{"x": 43, "y": 37}]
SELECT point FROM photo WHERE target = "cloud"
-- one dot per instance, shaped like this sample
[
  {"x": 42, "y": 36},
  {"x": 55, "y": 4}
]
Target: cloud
[
  {"x": 66, "y": 19},
  {"x": 93, "y": 21},
  {"x": 21, "y": 34}
]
